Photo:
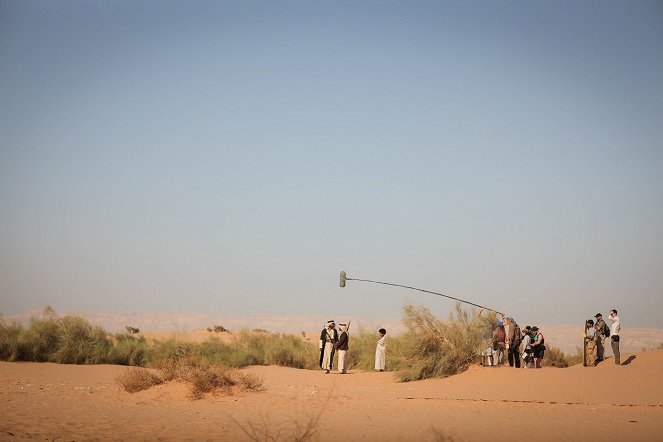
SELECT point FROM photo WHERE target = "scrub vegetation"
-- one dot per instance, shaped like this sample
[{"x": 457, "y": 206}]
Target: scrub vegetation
[
  {"x": 73, "y": 340},
  {"x": 429, "y": 348},
  {"x": 436, "y": 348},
  {"x": 554, "y": 357}
]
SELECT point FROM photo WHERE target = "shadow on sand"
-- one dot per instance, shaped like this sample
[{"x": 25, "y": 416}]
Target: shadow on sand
[{"x": 629, "y": 360}]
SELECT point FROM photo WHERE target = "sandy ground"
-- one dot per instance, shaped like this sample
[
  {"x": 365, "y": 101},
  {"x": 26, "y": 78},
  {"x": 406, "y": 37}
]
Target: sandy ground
[{"x": 614, "y": 403}]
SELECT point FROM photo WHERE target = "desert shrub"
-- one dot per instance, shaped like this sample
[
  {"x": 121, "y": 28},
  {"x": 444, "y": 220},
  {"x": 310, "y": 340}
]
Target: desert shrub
[
  {"x": 137, "y": 379},
  {"x": 290, "y": 351},
  {"x": 574, "y": 358},
  {"x": 38, "y": 341},
  {"x": 204, "y": 377},
  {"x": 217, "y": 352},
  {"x": 554, "y": 357},
  {"x": 9, "y": 340},
  {"x": 660, "y": 346},
  {"x": 247, "y": 348},
  {"x": 302, "y": 428},
  {"x": 250, "y": 381},
  {"x": 128, "y": 349},
  {"x": 361, "y": 354},
  {"x": 257, "y": 348},
  {"x": 434, "y": 348},
  {"x": 168, "y": 351},
  {"x": 362, "y": 350},
  {"x": 214, "y": 350},
  {"x": 68, "y": 340},
  {"x": 79, "y": 342}
]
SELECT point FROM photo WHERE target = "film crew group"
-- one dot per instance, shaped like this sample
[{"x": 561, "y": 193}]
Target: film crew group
[
  {"x": 594, "y": 336},
  {"x": 331, "y": 342},
  {"x": 522, "y": 347}
]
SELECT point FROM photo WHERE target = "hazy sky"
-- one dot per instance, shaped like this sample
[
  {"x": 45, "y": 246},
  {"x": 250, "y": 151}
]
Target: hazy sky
[{"x": 233, "y": 157}]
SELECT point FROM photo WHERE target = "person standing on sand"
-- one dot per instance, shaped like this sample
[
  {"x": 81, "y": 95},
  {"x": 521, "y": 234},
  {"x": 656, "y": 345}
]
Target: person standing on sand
[
  {"x": 599, "y": 326},
  {"x": 538, "y": 347},
  {"x": 381, "y": 351},
  {"x": 342, "y": 347},
  {"x": 527, "y": 347},
  {"x": 513, "y": 342},
  {"x": 614, "y": 334},
  {"x": 328, "y": 337},
  {"x": 590, "y": 343},
  {"x": 499, "y": 343}
]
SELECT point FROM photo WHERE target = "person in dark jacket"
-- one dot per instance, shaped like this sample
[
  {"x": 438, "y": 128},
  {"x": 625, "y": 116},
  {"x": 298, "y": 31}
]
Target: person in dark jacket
[
  {"x": 342, "y": 347},
  {"x": 328, "y": 338},
  {"x": 538, "y": 347},
  {"x": 513, "y": 342},
  {"x": 600, "y": 336}
]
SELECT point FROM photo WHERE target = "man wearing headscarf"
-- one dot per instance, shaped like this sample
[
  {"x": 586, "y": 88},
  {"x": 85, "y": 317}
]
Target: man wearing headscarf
[
  {"x": 328, "y": 337},
  {"x": 342, "y": 346}
]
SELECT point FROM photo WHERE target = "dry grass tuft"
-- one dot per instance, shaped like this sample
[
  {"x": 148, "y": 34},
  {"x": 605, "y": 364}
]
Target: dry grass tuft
[
  {"x": 137, "y": 379},
  {"x": 300, "y": 430},
  {"x": 554, "y": 357},
  {"x": 204, "y": 378}
]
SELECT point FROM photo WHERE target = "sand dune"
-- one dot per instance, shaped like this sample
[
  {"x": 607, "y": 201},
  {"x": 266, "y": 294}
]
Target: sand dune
[{"x": 50, "y": 401}]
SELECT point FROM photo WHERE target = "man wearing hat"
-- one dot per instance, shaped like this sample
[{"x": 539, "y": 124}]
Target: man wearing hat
[
  {"x": 538, "y": 347},
  {"x": 328, "y": 338},
  {"x": 599, "y": 326}
]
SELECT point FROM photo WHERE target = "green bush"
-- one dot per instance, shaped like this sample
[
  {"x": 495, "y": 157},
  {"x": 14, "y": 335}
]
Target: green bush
[
  {"x": 170, "y": 350},
  {"x": 9, "y": 340},
  {"x": 361, "y": 351},
  {"x": 128, "y": 349},
  {"x": 79, "y": 342},
  {"x": 290, "y": 351},
  {"x": 433, "y": 348},
  {"x": 73, "y": 340},
  {"x": 554, "y": 357}
]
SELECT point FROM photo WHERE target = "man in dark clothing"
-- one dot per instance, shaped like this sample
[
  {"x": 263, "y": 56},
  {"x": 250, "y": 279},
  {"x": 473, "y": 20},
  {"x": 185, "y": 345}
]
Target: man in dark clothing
[
  {"x": 342, "y": 348},
  {"x": 599, "y": 326},
  {"x": 513, "y": 341},
  {"x": 328, "y": 339}
]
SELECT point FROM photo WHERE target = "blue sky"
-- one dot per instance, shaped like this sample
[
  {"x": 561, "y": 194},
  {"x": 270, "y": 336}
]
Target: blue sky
[{"x": 233, "y": 157}]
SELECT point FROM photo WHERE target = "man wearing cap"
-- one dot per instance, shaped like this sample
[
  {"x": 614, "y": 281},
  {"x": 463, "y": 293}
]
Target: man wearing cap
[
  {"x": 328, "y": 337},
  {"x": 599, "y": 326},
  {"x": 538, "y": 347}
]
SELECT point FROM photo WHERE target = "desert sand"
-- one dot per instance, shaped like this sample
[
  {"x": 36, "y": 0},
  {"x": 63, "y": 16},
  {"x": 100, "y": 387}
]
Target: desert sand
[{"x": 43, "y": 401}]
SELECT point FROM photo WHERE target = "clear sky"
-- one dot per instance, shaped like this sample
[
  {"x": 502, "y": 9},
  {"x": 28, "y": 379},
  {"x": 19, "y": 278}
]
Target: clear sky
[{"x": 233, "y": 157}]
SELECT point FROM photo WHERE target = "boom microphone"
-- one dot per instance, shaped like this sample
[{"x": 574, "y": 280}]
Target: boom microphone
[{"x": 345, "y": 278}]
